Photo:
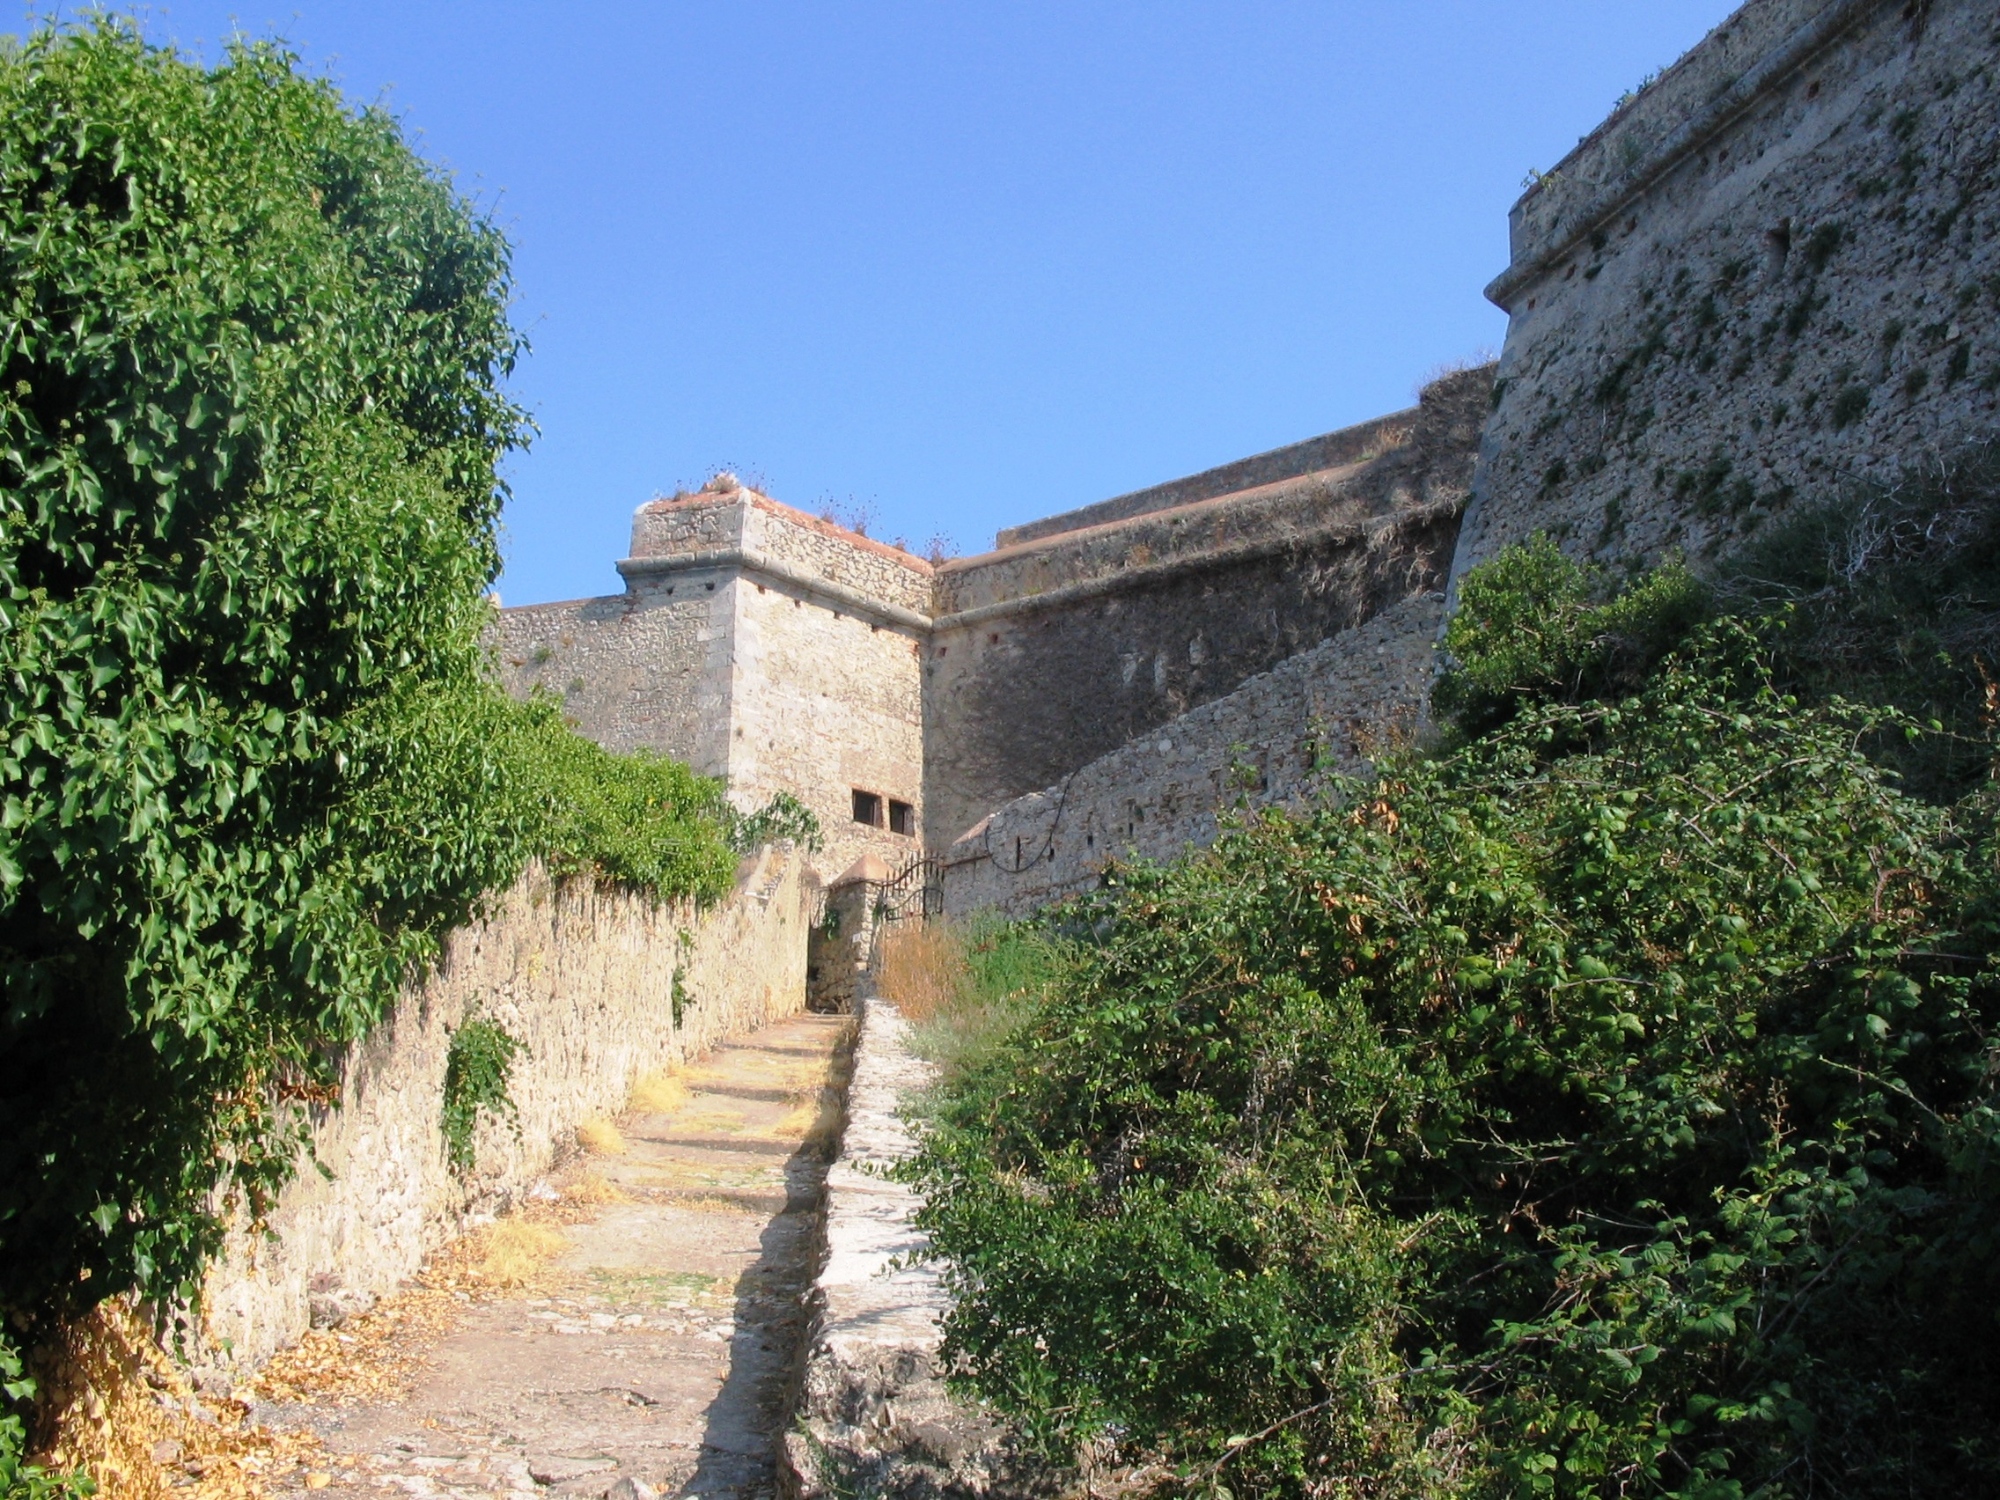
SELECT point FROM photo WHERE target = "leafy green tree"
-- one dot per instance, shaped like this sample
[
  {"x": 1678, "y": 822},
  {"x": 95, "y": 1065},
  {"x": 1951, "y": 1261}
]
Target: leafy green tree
[
  {"x": 250, "y": 357},
  {"x": 252, "y": 351}
]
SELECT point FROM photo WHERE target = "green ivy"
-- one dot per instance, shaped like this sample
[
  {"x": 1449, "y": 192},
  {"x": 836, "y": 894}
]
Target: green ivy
[
  {"x": 252, "y": 761},
  {"x": 476, "y": 1073},
  {"x": 783, "y": 819},
  {"x": 20, "y": 1480}
]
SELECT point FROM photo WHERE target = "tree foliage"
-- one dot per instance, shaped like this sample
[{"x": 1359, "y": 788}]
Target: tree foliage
[
  {"x": 252, "y": 763},
  {"x": 1603, "y": 1105}
]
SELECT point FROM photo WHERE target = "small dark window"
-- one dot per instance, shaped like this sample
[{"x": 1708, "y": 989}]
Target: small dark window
[
  {"x": 902, "y": 819},
  {"x": 867, "y": 808}
]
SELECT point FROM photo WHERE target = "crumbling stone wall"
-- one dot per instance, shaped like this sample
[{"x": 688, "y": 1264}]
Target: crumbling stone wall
[
  {"x": 1050, "y": 653},
  {"x": 600, "y": 987},
  {"x": 1774, "y": 272},
  {"x": 1276, "y": 739}
]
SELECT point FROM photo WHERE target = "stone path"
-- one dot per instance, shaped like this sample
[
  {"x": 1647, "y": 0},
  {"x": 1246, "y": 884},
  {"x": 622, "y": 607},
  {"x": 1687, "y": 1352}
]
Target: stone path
[{"x": 660, "y": 1347}]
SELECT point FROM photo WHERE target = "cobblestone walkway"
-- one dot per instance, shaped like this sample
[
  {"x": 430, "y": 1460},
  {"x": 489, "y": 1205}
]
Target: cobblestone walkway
[{"x": 657, "y": 1352}]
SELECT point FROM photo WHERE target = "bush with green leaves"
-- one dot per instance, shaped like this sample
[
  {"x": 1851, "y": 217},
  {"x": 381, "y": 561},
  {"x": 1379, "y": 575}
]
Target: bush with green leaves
[
  {"x": 252, "y": 762},
  {"x": 784, "y": 819},
  {"x": 1601, "y": 1105},
  {"x": 639, "y": 820},
  {"x": 1535, "y": 625}
]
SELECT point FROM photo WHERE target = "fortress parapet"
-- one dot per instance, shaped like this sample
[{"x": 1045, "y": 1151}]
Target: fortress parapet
[
  {"x": 1772, "y": 273},
  {"x": 902, "y": 701}
]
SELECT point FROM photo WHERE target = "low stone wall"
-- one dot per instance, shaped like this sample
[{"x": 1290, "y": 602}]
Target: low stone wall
[
  {"x": 873, "y": 1416},
  {"x": 585, "y": 978},
  {"x": 1272, "y": 740}
]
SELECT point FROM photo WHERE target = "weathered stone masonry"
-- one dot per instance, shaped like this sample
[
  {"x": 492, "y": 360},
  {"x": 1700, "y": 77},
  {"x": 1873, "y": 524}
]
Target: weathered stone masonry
[
  {"x": 600, "y": 987},
  {"x": 783, "y": 653},
  {"x": 1278, "y": 738},
  {"x": 1773, "y": 272},
  {"x": 761, "y": 645},
  {"x": 1069, "y": 642}
]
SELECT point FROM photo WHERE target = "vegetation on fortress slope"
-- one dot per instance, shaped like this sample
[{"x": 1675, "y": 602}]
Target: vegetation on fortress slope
[
  {"x": 1599, "y": 1104},
  {"x": 252, "y": 768}
]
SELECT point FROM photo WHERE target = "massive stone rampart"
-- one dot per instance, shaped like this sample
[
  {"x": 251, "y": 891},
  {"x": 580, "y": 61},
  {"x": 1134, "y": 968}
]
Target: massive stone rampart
[
  {"x": 784, "y": 653},
  {"x": 1333, "y": 450},
  {"x": 1772, "y": 273},
  {"x": 1051, "y": 653},
  {"x": 586, "y": 978},
  {"x": 1277, "y": 739}
]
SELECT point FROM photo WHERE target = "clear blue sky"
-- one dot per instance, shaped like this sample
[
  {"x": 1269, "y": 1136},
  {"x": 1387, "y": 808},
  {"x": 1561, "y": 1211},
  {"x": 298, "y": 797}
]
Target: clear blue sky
[{"x": 964, "y": 264}]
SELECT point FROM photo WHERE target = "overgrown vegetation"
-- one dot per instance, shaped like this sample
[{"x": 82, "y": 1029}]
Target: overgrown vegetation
[
  {"x": 1891, "y": 594},
  {"x": 250, "y": 411},
  {"x": 965, "y": 986},
  {"x": 1601, "y": 1103},
  {"x": 478, "y": 1066},
  {"x": 1534, "y": 625}
]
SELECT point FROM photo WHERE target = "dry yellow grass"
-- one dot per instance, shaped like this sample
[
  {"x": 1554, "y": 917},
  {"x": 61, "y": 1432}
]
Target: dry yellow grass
[
  {"x": 659, "y": 1094},
  {"x": 595, "y": 1187},
  {"x": 920, "y": 968},
  {"x": 513, "y": 1251},
  {"x": 821, "y": 1095},
  {"x": 600, "y": 1138}
]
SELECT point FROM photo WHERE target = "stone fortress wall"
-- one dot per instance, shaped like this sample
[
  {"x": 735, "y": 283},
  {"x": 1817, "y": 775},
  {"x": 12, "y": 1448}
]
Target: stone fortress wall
[
  {"x": 1277, "y": 739},
  {"x": 784, "y": 653},
  {"x": 644, "y": 670},
  {"x": 586, "y": 978},
  {"x": 1773, "y": 272},
  {"x": 1092, "y": 628}
]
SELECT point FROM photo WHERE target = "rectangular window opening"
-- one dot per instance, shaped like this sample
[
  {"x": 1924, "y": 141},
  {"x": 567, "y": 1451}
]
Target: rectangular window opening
[
  {"x": 902, "y": 819},
  {"x": 867, "y": 808}
]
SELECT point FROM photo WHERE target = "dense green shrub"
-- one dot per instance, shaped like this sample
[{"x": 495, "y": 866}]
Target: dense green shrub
[
  {"x": 1536, "y": 625},
  {"x": 251, "y": 761},
  {"x": 1601, "y": 1106},
  {"x": 640, "y": 820}
]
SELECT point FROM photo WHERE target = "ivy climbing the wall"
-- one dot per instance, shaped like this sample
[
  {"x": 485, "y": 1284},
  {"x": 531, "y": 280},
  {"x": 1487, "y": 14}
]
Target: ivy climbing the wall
[
  {"x": 252, "y": 357},
  {"x": 477, "y": 1069}
]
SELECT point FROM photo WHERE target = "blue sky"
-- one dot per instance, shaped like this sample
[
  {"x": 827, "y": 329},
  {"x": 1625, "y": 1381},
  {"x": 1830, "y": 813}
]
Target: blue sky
[{"x": 958, "y": 265}]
